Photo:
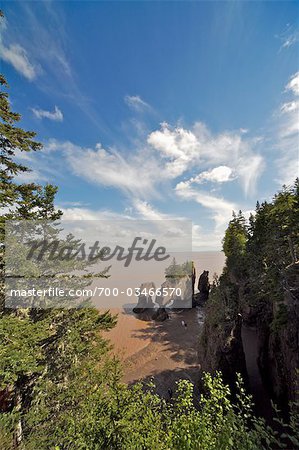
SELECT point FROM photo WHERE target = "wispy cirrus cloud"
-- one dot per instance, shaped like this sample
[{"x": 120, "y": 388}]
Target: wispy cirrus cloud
[
  {"x": 289, "y": 37},
  {"x": 49, "y": 63},
  {"x": 221, "y": 209},
  {"x": 110, "y": 168},
  {"x": 287, "y": 138},
  {"x": 146, "y": 211},
  {"x": 136, "y": 103},
  {"x": 55, "y": 115},
  {"x": 178, "y": 151},
  {"x": 293, "y": 84},
  {"x": 198, "y": 148},
  {"x": 142, "y": 174},
  {"x": 16, "y": 55}
]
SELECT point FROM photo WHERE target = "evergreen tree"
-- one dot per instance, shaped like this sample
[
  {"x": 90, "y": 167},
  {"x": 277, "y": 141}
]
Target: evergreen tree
[
  {"x": 234, "y": 245},
  {"x": 40, "y": 351}
]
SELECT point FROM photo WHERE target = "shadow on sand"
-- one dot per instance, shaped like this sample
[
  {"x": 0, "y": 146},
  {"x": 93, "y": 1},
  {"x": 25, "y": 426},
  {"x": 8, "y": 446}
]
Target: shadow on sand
[{"x": 171, "y": 353}]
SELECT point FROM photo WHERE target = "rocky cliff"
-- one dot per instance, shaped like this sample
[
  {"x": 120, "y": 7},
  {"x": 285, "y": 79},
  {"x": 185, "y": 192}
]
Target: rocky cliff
[{"x": 220, "y": 346}]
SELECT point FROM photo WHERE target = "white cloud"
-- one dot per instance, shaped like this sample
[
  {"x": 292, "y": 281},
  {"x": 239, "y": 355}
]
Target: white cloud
[
  {"x": 289, "y": 37},
  {"x": 74, "y": 204},
  {"x": 287, "y": 136},
  {"x": 184, "y": 150},
  {"x": 289, "y": 107},
  {"x": 291, "y": 40},
  {"x": 146, "y": 211},
  {"x": 221, "y": 208},
  {"x": 288, "y": 169},
  {"x": 136, "y": 173},
  {"x": 220, "y": 174},
  {"x": 293, "y": 84},
  {"x": 205, "y": 241},
  {"x": 168, "y": 225},
  {"x": 17, "y": 56},
  {"x": 34, "y": 176},
  {"x": 47, "y": 51},
  {"x": 120, "y": 228},
  {"x": 135, "y": 102},
  {"x": 55, "y": 115},
  {"x": 249, "y": 169},
  {"x": 178, "y": 145},
  {"x": 81, "y": 213},
  {"x": 143, "y": 173}
]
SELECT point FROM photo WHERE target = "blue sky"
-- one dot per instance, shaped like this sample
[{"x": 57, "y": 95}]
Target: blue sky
[{"x": 157, "y": 110}]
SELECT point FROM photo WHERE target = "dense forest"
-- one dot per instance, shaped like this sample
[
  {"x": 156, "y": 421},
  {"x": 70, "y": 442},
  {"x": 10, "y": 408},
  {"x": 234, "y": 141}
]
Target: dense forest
[
  {"x": 60, "y": 387},
  {"x": 259, "y": 287}
]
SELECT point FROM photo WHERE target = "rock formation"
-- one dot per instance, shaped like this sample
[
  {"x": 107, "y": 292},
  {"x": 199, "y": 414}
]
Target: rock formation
[
  {"x": 160, "y": 315},
  {"x": 145, "y": 300},
  {"x": 278, "y": 328},
  {"x": 221, "y": 349},
  {"x": 204, "y": 286}
]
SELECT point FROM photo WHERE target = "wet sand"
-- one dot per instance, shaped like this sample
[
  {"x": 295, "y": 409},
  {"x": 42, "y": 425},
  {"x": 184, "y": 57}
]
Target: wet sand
[
  {"x": 170, "y": 353},
  {"x": 166, "y": 351},
  {"x": 125, "y": 337}
]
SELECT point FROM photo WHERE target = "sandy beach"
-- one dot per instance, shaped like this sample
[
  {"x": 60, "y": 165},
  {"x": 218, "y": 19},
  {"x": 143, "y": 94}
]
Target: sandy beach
[
  {"x": 170, "y": 353},
  {"x": 166, "y": 351}
]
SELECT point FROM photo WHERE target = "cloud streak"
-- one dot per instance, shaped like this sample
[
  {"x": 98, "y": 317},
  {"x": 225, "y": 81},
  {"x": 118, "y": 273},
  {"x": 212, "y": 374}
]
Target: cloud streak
[
  {"x": 289, "y": 37},
  {"x": 221, "y": 208},
  {"x": 196, "y": 148},
  {"x": 287, "y": 136},
  {"x": 110, "y": 168},
  {"x": 293, "y": 84},
  {"x": 136, "y": 103},
  {"x": 16, "y": 55},
  {"x": 55, "y": 115}
]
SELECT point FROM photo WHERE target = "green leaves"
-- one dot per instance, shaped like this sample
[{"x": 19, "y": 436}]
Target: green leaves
[{"x": 20, "y": 350}]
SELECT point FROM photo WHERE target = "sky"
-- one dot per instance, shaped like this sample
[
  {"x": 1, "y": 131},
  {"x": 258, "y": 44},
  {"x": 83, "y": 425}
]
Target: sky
[{"x": 157, "y": 110}]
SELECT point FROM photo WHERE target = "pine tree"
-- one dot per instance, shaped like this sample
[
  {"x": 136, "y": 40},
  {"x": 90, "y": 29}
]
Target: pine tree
[{"x": 42, "y": 352}]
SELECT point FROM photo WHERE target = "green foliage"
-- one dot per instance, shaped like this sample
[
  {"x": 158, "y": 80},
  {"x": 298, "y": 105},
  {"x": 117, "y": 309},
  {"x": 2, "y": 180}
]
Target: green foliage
[
  {"x": 176, "y": 270},
  {"x": 22, "y": 200},
  {"x": 271, "y": 252},
  {"x": 50, "y": 359},
  {"x": 234, "y": 245},
  {"x": 259, "y": 254},
  {"x": 280, "y": 319},
  {"x": 260, "y": 281},
  {"x": 15, "y": 359},
  {"x": 60, "y": 388},
  {"x": 112, "y": 416}
]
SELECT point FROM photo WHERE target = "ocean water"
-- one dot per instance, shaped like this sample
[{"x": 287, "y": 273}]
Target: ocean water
[
  {"x": 124, "y": 280},
  {"x": 211, "y": 261},
  {"x": 126, "y": 335}
]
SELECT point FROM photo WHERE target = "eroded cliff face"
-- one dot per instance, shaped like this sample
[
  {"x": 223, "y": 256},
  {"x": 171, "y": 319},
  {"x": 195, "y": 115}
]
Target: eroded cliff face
[
  {"x": 261, "y": 282},
  {"x": 277, "y": 327},
  {"x": 224, "y": 351},
  {"x": 278, "y": 332},
  {"x": 220, "y": 346},
  {"x": 276, "y": 319}
]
